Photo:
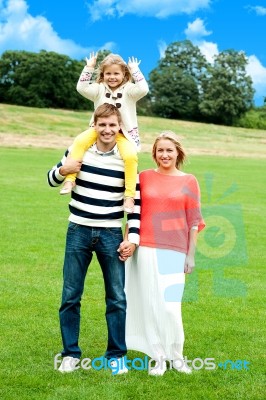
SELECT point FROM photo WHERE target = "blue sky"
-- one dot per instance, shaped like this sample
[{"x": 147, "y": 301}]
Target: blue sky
[{"x": 140, "y": 28}]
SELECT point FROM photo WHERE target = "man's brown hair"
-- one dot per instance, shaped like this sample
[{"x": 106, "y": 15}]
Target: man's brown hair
[{"x": 106, "y": 110}]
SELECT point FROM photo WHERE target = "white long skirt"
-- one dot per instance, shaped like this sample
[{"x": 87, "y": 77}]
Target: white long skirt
[{"x": 154, "y": 288}]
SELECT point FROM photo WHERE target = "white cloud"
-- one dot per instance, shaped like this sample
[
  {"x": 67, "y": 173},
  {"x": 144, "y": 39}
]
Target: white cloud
[
  {"x": 151, "y": 8},
  {"x": 195, "y": 32},
  {"x": 258, "y": 10},
  {"x": 208, "y": 49},
  {"x": 21, "y": 31},
  {"x": 107, "y": 46},
  {"x": 258, "y": 74},
  {"x": 162, "y": 46},
  {"x": 196, "y": 29}
]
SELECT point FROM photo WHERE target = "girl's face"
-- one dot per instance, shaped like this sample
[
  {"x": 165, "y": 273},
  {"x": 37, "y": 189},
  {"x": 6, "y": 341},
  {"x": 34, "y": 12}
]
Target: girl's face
[
  {"x": 113, "y": 76},
  {"x": 166, "y": 154}
]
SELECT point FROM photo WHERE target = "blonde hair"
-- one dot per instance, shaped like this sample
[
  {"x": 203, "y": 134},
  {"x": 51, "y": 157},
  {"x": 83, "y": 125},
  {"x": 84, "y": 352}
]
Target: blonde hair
[
  {"x": 110, "y": 60},
  {"x": 169, "y": 135}
]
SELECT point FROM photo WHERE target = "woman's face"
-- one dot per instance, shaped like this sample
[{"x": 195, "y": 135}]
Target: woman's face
[{"x": 166, "y": 154}]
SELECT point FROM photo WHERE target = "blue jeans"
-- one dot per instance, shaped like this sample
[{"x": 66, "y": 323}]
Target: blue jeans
[{"x": 80, "y": 243}]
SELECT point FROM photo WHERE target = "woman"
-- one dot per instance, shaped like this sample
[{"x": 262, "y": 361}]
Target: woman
[{"x": 155, "y": 274}]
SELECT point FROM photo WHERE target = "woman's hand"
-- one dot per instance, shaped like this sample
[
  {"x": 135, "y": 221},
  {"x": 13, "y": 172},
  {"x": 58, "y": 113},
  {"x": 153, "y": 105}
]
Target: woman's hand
[
  {"x": 125, "y": 250},
  {"x": 91, "y": 62},
  {"x": 189, "y": 264}
]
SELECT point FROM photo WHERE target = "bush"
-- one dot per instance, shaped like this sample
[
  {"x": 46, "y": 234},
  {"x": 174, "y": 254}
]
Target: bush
[{"x": 253, "y": 119}]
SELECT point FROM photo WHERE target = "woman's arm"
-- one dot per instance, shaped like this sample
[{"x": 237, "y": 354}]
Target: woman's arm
[{"x": 190, "y": 257}]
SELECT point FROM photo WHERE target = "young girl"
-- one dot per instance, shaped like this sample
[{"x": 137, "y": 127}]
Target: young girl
[{"x": 113, "y": 85}]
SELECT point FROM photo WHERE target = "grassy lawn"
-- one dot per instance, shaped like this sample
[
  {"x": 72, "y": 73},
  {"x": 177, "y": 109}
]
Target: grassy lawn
[
  {"x": 224, "y": 311},
  {"x": 49, "y": 127}
]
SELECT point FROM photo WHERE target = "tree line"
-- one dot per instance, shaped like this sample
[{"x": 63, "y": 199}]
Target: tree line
[{"x": 184, "y": 85}]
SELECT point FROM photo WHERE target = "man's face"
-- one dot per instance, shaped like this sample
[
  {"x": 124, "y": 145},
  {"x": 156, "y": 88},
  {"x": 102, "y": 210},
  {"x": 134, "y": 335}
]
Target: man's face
[{"x": 107, "y": 129}]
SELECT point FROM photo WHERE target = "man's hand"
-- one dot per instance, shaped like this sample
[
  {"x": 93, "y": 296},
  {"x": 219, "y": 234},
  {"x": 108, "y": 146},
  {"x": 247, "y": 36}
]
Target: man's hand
[
  {"x": 126, "y": 249},
  {"x": 91, "y": 62},
  {"x": 71, "y": 166}
]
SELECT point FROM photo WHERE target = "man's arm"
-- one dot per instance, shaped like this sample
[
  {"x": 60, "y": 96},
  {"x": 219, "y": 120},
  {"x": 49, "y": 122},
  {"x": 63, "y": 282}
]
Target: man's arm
[
  {"x": 67, "y": 165},
  {"x": 133, "y": 220}
]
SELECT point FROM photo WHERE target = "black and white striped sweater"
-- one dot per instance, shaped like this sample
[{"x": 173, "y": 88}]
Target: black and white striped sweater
[{"x": 97, "y": 198}]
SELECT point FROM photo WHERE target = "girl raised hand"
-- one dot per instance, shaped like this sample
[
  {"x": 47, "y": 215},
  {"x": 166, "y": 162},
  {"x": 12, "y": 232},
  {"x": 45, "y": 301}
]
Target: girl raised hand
[
  {"x": 91, "y": 62},
  {"x": 133, "y": 63}
]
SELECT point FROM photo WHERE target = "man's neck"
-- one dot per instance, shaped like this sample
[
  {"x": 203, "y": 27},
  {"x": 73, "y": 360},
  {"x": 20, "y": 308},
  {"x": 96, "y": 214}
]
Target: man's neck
[{"x": 104, "y": 148}]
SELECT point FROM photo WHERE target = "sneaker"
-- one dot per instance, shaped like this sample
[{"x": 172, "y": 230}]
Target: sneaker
[
  {"x": 159, "y": 369},
  {"x": 67, "y": 187},
  {"x": 184, "y": 368},
  {"x": 69, "y": 364},
  {"x": 118, "y": 366},
  {"x": 129, "y": 205}
]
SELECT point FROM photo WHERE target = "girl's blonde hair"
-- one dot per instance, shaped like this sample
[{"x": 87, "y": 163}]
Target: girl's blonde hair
[
  {"x": 169, "y": 135},
  {"x": 110, "y": 60}
]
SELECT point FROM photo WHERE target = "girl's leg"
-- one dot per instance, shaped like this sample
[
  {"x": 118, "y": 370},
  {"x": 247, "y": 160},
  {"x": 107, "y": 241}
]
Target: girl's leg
[
  {"x": 80, "y": 145},
  {"x": 129, "y": 155}
]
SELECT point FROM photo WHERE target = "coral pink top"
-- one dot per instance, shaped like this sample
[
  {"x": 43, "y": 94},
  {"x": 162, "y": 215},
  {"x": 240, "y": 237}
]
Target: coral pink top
[{"x": 170, "y": 207}]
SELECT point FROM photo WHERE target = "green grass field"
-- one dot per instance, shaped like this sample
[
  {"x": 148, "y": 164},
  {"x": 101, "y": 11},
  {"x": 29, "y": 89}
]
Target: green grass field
[
  {"x": 46, "y": 128},
  {"x": 224, "y": 311}
]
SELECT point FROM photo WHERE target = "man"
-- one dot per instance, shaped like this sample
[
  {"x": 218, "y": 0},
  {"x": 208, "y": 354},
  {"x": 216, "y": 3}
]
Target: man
[{"x": 95, "y": 225}]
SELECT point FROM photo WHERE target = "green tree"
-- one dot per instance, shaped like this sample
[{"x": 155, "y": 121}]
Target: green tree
[
  {"x": 174, "y": 95},
  {"x": 44, "y": 79},
  {"x": 176, "y": 84},
  {"x": 227, "y": 91}
]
